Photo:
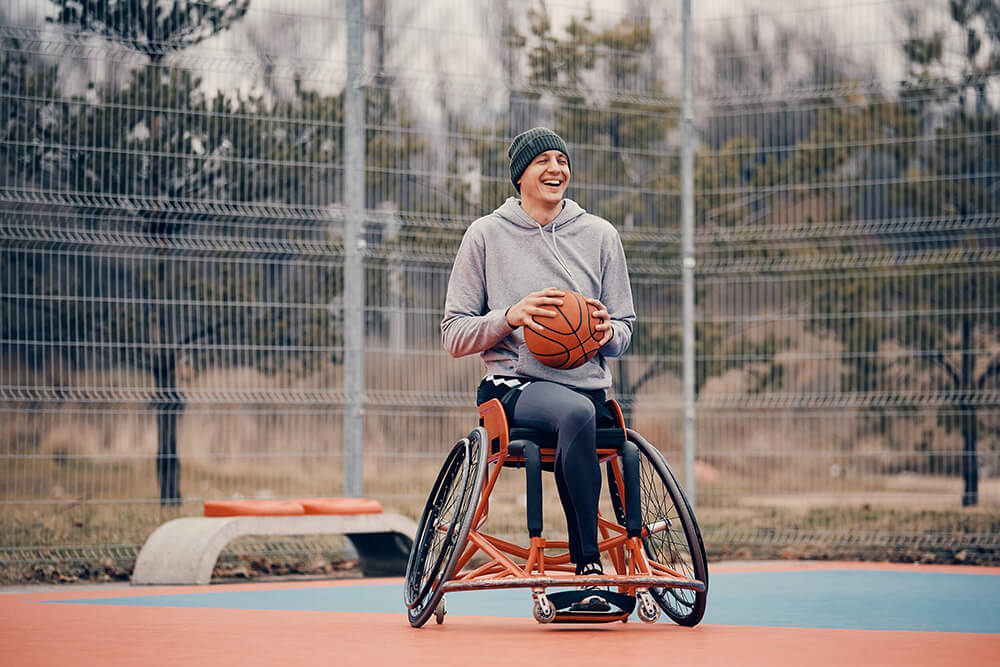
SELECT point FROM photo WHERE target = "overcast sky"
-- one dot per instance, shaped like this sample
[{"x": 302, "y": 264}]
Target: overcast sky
[{"x": 445, "y": 42}]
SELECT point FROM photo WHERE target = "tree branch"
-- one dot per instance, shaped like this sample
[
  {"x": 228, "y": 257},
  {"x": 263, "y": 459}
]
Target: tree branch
[
  {"x": 991, "y": 370},
  {"x": 943, "y": 363}
]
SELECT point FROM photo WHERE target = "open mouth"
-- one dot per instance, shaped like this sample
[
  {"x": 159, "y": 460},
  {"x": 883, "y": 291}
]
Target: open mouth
[{"x": 553, "y": 184}]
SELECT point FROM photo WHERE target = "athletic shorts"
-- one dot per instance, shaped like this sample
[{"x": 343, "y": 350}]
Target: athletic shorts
[{"x": 507, "y": 389}]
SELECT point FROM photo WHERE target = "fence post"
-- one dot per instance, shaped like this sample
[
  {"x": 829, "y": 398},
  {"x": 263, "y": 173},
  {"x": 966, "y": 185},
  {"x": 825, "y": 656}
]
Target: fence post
[
  {"x": 687, "y": 249},
  {"x": 354, "y": 276}
]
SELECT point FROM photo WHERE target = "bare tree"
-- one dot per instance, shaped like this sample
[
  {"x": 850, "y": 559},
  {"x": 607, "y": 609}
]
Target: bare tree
[
  {"x": 155, "y": 29},
  {"x": 151, "y": 27}
]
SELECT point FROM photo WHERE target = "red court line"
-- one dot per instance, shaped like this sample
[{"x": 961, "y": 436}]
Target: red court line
[
  {"x": 41, "y": 634},
  {"x": 73, "y": 593},
  {"x": 807, "y": 565},
  {"x": 87, "y": 593}
]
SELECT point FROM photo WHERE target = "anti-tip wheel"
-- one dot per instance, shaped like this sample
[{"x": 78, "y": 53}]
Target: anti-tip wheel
[
  {"x": 439, "y": 612},
  {"x": 543, "y": 611},
  {"x": 648, "y": 610}
]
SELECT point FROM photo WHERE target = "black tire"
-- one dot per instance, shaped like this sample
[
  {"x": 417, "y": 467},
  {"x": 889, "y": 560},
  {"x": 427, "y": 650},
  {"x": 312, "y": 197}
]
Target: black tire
[
  {"x": 680, "y": 546},
  {"x": 444, "y": 526}
]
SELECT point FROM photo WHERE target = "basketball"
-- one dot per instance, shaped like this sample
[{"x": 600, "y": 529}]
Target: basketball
[{"x": 570, "y": 338}]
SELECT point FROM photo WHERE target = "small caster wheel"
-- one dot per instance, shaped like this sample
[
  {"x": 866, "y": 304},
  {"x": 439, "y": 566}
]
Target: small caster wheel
[
  {"x": 648, "y": 610},
  {"x": 543, "y": 611},
  {"x": 439, "y": 612}
]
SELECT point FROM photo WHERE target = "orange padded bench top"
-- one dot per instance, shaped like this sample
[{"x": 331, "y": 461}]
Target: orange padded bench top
[{"x": 299, "y": 507}]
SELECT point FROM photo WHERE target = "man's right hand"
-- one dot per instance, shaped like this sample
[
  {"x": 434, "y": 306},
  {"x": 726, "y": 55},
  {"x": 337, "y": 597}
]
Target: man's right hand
[{"x": 524, "y": 311}]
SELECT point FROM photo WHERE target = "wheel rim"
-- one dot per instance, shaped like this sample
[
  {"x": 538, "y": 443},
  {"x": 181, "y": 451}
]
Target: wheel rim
[
  {"x": 669, "y": 547},
  {"x": 443, "y": 553},
  {"x": 662, "y": 500},
  {"x": 438, "y": 525}
]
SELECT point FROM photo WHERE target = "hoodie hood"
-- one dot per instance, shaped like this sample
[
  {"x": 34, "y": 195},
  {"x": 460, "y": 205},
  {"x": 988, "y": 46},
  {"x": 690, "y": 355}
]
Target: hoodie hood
[{"x": 511, "y": 211}]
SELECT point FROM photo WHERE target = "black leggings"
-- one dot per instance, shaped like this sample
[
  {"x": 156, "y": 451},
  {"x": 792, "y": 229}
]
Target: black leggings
[{"x": 548, "y": 406}]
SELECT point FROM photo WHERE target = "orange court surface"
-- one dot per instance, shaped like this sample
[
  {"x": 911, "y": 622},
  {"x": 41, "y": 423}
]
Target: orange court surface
[{"x": 795, "y": 613}]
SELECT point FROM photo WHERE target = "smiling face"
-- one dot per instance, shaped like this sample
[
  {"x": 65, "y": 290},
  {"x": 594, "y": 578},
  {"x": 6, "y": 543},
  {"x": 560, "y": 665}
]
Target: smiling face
[{"x": 545, "y": 179}]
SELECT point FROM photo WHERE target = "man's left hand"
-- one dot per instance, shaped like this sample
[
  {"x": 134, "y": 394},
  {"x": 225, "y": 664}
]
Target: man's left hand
[{"x": 605, "y": 321}]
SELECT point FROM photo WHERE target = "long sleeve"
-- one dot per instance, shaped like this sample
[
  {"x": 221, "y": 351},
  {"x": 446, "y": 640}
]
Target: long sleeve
[
  {"x": 468, "y": 326},
  {"x": 616, "y": 294}
]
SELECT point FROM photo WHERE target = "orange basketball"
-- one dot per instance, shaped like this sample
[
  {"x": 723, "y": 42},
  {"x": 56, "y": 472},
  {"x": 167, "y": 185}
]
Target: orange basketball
[{"x": 570, "y": 338}]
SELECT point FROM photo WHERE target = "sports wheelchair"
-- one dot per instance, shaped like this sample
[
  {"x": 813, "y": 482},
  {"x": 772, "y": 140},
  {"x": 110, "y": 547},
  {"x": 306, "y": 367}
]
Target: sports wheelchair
[{"x": 652, "y": 542}]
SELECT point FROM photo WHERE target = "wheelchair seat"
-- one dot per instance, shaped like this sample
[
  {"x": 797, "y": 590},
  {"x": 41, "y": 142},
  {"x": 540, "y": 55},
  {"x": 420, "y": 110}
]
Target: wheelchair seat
[
  {"x": 495, "y": 417},
  {"x": 607, "y": 438}
]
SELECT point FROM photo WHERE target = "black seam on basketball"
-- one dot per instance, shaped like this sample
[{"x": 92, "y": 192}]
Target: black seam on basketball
[
  {"x": 553, "y": 331},
  {"x": 579, "y": 360},
  {"x": 566, "y": 351},
  {"x": 552, "y": 355},
  {"x": 585, "y": 353},
  {"x": 551, "y": 340},
  {"x": 584, "y": 316},
  {"x": 581, "y": 309},
  {"x": 555, "y": 314},
  {"x": 565, "y": 319},
  {"x": 577, "y": 354},
  {"x": 590, "y": 326},
  {"x": 573, "y": 330}
]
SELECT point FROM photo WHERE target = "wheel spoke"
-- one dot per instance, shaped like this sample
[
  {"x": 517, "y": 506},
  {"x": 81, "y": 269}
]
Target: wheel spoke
[
  {"x": 669, "y": 546},
  {"x": 444, "y": 527},
  {"x": 445, "y": 516},
  {"x": 670, "y": 534},
  {"x": 437, "y": 526}
]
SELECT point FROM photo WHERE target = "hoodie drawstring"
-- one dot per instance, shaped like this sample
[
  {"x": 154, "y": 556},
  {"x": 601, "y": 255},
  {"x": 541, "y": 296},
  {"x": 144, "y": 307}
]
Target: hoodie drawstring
[
  {"x": 555, "y": 250},
  {"x": 512, "y": 211},
  {"x": 559, "y": 257}
]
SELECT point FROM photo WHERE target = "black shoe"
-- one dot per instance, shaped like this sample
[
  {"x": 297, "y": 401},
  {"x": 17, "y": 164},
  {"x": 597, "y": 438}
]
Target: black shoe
[
  {"x": 589, "y": 568},
  {"x": 594, "y": 602}
]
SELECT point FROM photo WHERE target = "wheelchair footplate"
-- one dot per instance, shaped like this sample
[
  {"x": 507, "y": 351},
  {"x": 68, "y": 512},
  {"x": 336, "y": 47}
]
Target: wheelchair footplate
[
  {"x": 564, "y": 606},
  {"x": 572, "y": 607}
]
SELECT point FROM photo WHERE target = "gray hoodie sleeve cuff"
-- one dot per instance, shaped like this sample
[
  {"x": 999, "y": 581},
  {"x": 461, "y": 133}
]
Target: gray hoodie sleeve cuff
[
  {"x": 468, "y": 334},
  {"x": 498, "y": 322},
  {"x": 619, "y": 341}
]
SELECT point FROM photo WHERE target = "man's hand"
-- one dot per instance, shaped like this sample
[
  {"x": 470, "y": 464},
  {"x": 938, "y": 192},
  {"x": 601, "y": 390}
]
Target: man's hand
[
  {"x": 524, "y": 311},
  {"x": 605, "y": 325}
]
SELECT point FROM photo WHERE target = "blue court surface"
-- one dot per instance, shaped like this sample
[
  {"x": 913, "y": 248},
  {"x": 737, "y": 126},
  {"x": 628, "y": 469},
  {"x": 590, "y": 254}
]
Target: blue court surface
[{"x": 850, "y": 599}]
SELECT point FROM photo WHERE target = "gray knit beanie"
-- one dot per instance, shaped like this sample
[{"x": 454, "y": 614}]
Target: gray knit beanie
[{"x": 527, "y": 145}]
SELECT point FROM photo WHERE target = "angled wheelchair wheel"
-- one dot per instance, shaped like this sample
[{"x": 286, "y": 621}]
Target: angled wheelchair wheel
[
  {"x": 679, "y": 546},
  {"x": 444, "y": 526}
]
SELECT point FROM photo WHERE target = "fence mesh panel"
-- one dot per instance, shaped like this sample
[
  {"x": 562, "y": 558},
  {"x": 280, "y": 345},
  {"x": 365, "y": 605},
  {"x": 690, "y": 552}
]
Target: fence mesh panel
[{"x": 172, "y": 224}]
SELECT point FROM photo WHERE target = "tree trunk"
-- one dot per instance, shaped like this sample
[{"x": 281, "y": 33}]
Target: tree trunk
[
  {"x": 169, "y": 406},
  {"x": 969, "y": 419},
  {"x": 970, "y": 463}
]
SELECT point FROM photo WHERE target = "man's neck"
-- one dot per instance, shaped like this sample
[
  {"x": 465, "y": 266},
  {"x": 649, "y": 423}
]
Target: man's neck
[{"x": 541, "y": 212}]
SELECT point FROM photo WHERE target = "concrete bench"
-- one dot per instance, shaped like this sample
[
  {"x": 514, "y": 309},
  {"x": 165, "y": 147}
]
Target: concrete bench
[{"x": 184, "y": 551}]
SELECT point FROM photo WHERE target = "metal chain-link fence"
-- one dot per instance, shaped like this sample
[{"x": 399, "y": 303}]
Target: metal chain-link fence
[{"x": 179, "y": 198}]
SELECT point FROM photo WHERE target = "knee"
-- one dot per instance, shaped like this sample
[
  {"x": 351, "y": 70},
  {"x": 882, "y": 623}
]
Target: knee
[{"x": 579, "y": 414}]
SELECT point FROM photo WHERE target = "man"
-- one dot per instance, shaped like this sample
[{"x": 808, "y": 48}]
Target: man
[{"x": 510, "y": 265}]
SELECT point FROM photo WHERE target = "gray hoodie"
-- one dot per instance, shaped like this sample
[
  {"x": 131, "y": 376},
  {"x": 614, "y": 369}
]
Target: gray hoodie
[{"x": 506, "y": 255}]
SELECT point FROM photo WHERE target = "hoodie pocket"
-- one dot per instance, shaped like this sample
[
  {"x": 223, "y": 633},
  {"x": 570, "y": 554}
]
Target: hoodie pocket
[
  {"x": 527, "y": 365},
  {"x": 591, "y": 375}
]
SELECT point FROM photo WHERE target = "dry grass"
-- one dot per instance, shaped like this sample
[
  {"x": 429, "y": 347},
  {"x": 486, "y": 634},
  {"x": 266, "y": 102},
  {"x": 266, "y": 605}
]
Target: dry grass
[{"x": 81, "y": 475}]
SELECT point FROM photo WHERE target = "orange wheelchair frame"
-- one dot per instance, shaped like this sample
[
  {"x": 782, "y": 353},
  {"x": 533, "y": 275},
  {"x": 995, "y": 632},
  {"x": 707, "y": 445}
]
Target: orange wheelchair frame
[{"x": 654, "y": 544}]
